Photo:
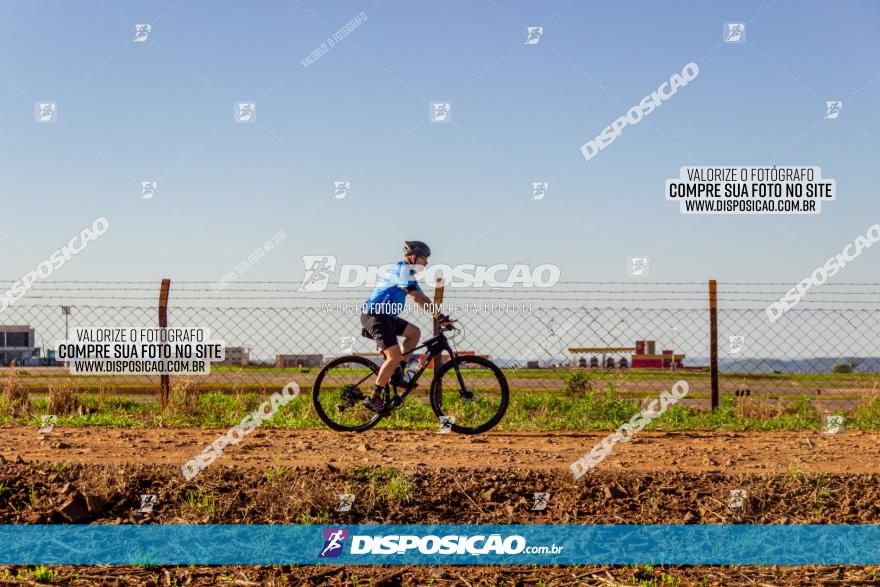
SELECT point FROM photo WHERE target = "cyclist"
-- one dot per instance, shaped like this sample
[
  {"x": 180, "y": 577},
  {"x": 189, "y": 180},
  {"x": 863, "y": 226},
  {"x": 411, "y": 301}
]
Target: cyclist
[{"x": 380, "y": 318}]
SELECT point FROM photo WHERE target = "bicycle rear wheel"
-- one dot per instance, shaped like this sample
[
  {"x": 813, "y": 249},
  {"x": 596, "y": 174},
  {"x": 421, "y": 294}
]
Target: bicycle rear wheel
[
  {"x": 339, "y": 393},
  {"x": 471, "y": 390}
]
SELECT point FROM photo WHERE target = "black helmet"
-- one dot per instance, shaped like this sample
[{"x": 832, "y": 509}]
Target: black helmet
[{"x": 417, "y": 248}]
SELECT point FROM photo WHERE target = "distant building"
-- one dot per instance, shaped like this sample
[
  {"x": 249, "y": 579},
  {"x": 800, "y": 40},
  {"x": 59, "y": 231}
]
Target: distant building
[
  {"x": 237, "y": 355},
  {"x": 595, "y": 362},
  {"x": 17, "y": 344},
  {"x": 644, "y": 356},
  {"x": 286, "y": 361}
]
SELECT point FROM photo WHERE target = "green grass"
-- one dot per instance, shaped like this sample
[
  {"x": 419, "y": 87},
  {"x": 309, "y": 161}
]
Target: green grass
[
  {"x": 200, "y": 501},
  {"x": 387, "y": 481},
  {"x": 528, "y": 411},
  {"x": 40, "y": 574}
]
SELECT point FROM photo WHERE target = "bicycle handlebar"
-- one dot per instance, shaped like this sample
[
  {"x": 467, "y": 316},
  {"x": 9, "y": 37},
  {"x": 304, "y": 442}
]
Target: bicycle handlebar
[{"x": 448, "y": 325}]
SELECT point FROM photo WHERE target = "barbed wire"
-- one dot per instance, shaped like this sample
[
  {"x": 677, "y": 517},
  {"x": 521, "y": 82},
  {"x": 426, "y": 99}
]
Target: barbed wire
[
  {"x": 632, "y": 283},
  {"x": 542, "y": 299}
]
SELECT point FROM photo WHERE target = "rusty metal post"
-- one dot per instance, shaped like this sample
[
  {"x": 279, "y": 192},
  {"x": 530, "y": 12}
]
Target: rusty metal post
[
  {"x": 713, "y": 341},
  {"x": 438, "y": 299},
  {"x": 165, "y": 391}
]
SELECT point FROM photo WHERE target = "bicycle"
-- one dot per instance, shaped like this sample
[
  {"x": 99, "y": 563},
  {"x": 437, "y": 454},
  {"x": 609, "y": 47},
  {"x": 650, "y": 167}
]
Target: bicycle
[{"x": 472, "y": 406}]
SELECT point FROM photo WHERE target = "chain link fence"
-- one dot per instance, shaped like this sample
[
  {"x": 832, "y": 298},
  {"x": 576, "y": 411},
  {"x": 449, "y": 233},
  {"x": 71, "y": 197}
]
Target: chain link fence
[{"x": 827, "y": 357}]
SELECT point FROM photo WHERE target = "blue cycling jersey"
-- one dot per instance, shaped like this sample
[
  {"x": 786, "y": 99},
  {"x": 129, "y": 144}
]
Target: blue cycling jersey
[{"x": 389, "y": 296}]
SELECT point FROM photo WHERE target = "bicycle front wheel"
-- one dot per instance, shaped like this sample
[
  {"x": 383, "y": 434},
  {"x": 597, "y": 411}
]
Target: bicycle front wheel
[
  {"x": 472, "y": 391},
  {"x": 339, "y": 393}
]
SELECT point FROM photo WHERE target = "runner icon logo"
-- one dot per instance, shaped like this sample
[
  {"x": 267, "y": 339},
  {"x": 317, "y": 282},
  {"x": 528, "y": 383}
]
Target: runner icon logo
[
  {"x": 317, "y": 272},
  {"x": 446, "y": 423},
  {"x": 47, "y": 423},
  {"x": 346, "y": 500},
  {"x": 541, "y": 501},
  {"x": 334, "y": 538},
  {"x": 833, "y": 424}
]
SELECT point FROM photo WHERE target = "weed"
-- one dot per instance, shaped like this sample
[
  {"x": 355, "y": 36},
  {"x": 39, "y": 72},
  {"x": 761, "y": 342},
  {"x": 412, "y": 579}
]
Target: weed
[
  {"x": 201, "y": 501},
  {"x": 60, "y": 467},
  {"x": 276, "y": 472},
  {"x": 319, "y": 518},
  {"x": 578, "y": 384},
  {"x": 15, "y": 398},
  {"x": 64, "y": 401},
  {"x": 42, "y": 574},
  {"x": 394, "y": 484}
]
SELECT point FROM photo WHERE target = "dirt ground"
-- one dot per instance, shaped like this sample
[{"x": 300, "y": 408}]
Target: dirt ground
[
  {"x": 853, "y": 451},
  {"x": 96, "y": 475},
  {"x": 599, "y": 576}
]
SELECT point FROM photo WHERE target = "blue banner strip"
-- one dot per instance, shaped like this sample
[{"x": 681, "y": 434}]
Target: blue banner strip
[{"x": 173, "y": 544}]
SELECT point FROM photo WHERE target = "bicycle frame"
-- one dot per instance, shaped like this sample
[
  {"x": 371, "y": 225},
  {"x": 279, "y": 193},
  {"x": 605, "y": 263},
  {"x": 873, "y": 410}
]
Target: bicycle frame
[{"x": 435, "y": 345}]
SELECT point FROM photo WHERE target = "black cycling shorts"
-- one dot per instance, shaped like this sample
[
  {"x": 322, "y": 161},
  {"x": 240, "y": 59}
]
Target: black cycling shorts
[{"x": 383, "y": 328}]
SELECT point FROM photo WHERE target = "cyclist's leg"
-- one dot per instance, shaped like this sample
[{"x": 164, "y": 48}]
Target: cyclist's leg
[
  {"x": 411, "y": 335},
  {"x": 392, "y": 361},
  {"x": 382, "y": 329}
]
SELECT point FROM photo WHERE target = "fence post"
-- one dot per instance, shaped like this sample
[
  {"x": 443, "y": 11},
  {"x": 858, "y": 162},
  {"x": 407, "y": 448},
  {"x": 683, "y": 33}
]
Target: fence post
[
  {"x": 164, "y": 392},
  {"x": 713, "y": 341},
  {"x": 438, "y": 299}
]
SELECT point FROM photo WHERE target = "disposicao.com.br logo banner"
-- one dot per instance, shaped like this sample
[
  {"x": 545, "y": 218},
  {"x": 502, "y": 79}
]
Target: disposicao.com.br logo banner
[
  {"x": 452, "y": 544},
  {"x": 416, "y": 542}
]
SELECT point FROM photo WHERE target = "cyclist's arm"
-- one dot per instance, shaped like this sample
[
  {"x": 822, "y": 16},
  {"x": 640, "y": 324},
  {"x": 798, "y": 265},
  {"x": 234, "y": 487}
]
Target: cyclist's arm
[
  {"x": 427, "y": 305},
  {"x": 421, "y": 300}
]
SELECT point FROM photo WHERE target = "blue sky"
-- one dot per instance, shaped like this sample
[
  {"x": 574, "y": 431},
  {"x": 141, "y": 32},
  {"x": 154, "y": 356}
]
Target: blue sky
[{"x": 163, "y": 110}]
